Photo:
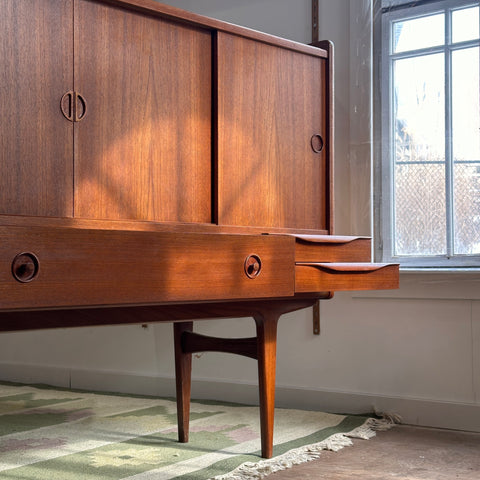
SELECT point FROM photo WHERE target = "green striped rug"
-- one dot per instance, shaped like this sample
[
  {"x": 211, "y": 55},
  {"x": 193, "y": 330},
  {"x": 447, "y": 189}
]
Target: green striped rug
[{"x": 48, "y": 434}]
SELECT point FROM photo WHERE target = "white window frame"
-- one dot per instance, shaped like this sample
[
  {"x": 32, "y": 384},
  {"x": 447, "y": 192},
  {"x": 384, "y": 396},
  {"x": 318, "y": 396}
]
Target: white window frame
[{"x": 387, "y": 12}]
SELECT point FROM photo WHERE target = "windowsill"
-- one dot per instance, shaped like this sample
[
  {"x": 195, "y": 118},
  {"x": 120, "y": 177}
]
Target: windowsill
[
  {"x": 431, "y": 284},
  {"x": 441, "y": 270}
]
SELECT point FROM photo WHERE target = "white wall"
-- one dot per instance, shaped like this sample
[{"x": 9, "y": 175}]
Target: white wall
[
  {"x": 415, "y": 351},
  {"x": 285, "y": 18}
]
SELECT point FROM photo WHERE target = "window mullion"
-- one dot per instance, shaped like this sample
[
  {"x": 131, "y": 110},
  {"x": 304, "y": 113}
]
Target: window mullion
[{"x": 449, "y": 173}]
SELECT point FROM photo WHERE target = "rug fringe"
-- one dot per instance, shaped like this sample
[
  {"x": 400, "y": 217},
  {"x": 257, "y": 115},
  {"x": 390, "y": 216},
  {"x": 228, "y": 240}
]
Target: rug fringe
[
  {"x": 387, "y": 417},
  {"x": 259, "y": 470}
]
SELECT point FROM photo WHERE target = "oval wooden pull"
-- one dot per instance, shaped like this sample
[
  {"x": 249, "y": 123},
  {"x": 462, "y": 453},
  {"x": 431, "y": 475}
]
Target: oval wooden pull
[{"x": 317, "y": 143}]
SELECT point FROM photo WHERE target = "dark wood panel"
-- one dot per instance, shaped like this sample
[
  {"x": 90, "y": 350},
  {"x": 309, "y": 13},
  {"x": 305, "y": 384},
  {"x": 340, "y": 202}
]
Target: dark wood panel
[
  {"x": 36, "y": 141},
  {"x": 100, "y": 267},
  {"x": 327, "y": 46},
  {"x": 82, "y": 317},
  {"x": 143, "y": 150},
  {"x": 271, "y": 101}
]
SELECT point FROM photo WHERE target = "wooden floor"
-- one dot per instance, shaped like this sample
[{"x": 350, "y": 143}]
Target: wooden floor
[{"x": 402, "y": 453}]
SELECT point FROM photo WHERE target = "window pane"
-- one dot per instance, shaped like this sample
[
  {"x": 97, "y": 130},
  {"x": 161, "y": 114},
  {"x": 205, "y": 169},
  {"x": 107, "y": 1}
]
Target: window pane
[
  {"x": 419, "y": 108},
  {"x": 419, "y": 33},
  {"x": 466, "y": 149},
  {"x": 420, "y": 227},
  {"x": 419, "y": 155},
  {"x": 466, "y": 104},
  {"x": 467, "y": 208},
  {"x": 465, "y": 24}
]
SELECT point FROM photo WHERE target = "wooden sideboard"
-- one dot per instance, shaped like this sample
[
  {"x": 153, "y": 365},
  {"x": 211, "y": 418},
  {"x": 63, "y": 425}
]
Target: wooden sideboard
[{"x": 157, "y": 165}]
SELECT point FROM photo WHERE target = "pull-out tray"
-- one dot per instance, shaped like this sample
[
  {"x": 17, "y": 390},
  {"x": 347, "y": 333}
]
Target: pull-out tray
[
  {"x": 313, "y": 277},
  {"x": 332, "y": 248}
]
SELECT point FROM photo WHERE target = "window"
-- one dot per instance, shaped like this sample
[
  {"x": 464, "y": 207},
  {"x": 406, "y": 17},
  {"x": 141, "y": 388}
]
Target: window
[{"x": 428, "y": 127}]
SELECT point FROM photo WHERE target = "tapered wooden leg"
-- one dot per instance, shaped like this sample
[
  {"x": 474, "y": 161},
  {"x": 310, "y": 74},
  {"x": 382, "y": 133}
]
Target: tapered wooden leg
[
  {"x": 267, "y": 352},
  {"x": 183, "y": 378}
]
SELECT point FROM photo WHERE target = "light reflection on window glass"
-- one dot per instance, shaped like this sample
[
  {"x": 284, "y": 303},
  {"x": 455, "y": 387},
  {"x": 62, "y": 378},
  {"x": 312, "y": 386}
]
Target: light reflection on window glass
[
  {"x": 419, "y": 89},
  {"x": 419, "y": 33},
  {"x": 465, "y": 24},
  {"x": 465, "y": 104}
]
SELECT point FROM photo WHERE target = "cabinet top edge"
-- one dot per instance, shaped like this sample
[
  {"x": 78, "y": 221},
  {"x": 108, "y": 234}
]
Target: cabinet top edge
[
  {"x": 143, "y": 225},
  {"x": 194, "y": 19}
]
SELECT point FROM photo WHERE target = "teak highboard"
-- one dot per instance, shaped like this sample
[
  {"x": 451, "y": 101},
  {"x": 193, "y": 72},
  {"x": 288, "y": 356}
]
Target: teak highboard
[{"x": 157, "y": 165}]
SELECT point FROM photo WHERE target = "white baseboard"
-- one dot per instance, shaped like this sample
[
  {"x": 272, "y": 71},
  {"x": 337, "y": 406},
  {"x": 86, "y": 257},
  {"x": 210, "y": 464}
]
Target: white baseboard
[{"x": 427, "y": 413}]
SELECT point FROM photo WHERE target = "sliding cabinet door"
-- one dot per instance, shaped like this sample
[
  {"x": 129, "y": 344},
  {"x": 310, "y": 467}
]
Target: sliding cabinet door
[
  {"x": 36, "y": 140},
  {"x": 271, "y": 163},
  {"x": 143, "y": 147}
]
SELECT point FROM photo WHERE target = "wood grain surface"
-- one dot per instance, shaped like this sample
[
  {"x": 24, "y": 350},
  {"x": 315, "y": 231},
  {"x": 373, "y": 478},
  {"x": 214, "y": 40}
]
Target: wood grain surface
[
  {"x": 318, "y": 277},
  {"x": 98, "y": 267},
  {"x": 143, "y": 150},
  {"x": 332, "y": 248},
  {"x": 271, "y": 101},
  {"x": 36, "y": 141}
]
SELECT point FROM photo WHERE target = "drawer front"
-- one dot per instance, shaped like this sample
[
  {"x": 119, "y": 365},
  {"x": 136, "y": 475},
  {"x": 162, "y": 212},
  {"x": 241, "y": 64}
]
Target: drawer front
[
  {"x": 66, "y": 267},
  {"x": 319, "y": 277},
  {"x": 332, "y": 248}
]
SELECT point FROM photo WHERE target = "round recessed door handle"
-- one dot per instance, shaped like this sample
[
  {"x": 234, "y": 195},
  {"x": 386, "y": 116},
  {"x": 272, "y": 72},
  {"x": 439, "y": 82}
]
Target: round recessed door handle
[
  {"x": 253, "y": 266},
  {"x": 317, "y": 143},
  {"x": 25, "y": 267},
  {"x": 73, "y": 106}
]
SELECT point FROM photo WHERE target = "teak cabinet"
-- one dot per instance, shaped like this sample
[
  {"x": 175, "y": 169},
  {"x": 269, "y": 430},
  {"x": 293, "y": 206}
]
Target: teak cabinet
[
  {"x": 157, "y": 165},
  {"x": 123, "y": 114}
]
